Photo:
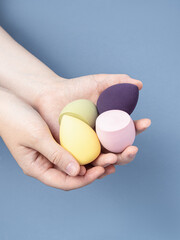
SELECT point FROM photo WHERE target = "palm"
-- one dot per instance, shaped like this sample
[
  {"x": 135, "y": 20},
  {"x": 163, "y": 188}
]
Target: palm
[
  {"x": 61, "y": 94},
  {"x": 88, "y": 87},
  {"x": 65, "y": 91}
]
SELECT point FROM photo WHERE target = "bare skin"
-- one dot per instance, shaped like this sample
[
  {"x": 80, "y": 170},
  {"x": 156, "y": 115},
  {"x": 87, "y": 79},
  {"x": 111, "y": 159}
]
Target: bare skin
[
  {"x": 32, "y": 81},
  {"x": 86, "y": 87},
  {"x": 29, "y": 139}
]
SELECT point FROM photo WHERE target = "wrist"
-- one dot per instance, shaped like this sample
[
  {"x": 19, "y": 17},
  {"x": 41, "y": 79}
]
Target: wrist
[
  {"x": 21, "y": 72},
  {"x": 32, "y": 88},
  {"x": 45, "y": 90}
]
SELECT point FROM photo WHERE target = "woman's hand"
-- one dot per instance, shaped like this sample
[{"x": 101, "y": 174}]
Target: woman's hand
[
  {"x": 29, "y": 139},
  {"x": 40, "y": 87},
  {"x": 59, "y": 93}
]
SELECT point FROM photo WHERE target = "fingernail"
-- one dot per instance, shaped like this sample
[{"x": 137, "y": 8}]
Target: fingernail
[
  {"x": 132, "y": 155},
  {"x": 71, "y": 169}
]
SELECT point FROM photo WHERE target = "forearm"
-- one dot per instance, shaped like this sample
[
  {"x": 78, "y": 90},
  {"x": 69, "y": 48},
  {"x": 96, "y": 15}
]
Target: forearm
[
  {"x": 21, "y": 72},
  {"x": 6, "y": 100}
]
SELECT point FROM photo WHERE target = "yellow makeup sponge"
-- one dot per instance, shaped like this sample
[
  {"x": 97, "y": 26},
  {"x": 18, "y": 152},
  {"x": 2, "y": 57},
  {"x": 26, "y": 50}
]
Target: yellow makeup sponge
[{"x": 79, "y": 139}]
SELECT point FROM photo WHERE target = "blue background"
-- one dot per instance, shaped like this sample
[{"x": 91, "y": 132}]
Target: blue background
[{"x": 79, "y": 37}]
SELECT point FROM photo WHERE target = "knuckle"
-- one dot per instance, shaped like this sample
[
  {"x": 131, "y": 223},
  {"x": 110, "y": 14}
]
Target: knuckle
[
  {"x": 100, "y": 75},
  {"x": 36, "y": 134},
  {"x": 125, "y": 76},
  {"x": 34, "y": 139},
  {"x": 26, "y": 172},
  {"x": 57, "y": 158},
  {"x": 66, "y": 189}
]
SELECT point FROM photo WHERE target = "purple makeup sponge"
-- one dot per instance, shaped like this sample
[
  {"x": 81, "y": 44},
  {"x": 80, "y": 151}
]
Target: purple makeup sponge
[{"x": 123, "y": 96}]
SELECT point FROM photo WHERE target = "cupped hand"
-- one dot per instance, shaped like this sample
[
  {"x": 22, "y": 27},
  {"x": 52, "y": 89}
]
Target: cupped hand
[
  {"x": 29, "y": 139},
  {"x": 62, "y": 91}
]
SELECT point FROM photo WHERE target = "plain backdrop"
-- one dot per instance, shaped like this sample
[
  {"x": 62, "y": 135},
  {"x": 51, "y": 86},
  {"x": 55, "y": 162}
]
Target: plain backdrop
[{"x": 79, "y": 37}]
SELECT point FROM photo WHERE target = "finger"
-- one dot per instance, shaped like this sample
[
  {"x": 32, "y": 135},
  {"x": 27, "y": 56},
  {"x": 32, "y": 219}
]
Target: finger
[
  {"x": 106, "y": 80},
  {"x": 108, "y": 170},
  {"x": 127, "y": 155},
  {"x": 82, "y": 171},
  {"x": 55, "y": 178},
  {"x": 57, "y": 155},
  {"x": 141, "y": 125},
  {"x": 105, "y": 159}
]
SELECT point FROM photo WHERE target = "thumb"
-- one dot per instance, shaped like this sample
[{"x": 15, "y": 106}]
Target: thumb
[{"x": 56, "y": 154}]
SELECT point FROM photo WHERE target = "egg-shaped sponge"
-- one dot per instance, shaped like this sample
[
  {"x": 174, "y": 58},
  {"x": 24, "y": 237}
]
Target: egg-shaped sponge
[
  {"x": 115, "y": 130},
  {"x": 79, "y": 139},
  {"x": 122, "y": 96},
  {"x": 82, "y": 109}
]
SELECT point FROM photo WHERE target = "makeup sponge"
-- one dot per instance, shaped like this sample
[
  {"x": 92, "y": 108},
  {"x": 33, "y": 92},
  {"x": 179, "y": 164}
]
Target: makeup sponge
[
  {"x": 77, "y": 136},
  {"x": 79, "y": 139},
  {"x": 115, "y": 130},
  {"x": 122, "y": 96},
  {"x": 82, "y": 109}
]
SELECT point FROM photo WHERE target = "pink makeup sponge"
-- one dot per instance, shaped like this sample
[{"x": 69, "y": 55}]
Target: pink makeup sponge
[{"x": 115, "y": 130}]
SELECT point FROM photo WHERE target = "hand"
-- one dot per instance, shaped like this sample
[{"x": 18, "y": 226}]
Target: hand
[
  {"x": 39, "y": 86},
  {"x": 29, "y": 140},
  {"x": 61, "y": 92}
]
